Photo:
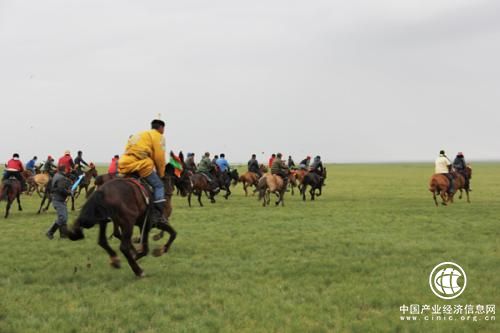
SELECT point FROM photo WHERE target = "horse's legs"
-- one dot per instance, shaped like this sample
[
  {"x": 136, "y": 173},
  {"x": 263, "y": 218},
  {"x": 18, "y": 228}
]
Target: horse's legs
[
  {"x": 127, "y": 248},
  {"x": 312, "y": 192},
  {"x": 303, "y": 191},
  {"x": 460, "y": 196},
  {"x": 189, "y": 198},
  {"x": 72, "y": 202},
  {"x": 199, "y": 198},
  {"x": 435, "y": 199},
  {"x": 245, "y": 188},
  {"x": 18, "y": 197},
  {"x": 173, "y": 234},
  {"x": 103, "y": 242},
  {"x": 9, "y": 203},
  {"x": 467, "y": 194}
]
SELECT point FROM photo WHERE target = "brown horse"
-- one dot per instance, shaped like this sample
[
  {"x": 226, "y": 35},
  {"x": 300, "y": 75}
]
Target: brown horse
[
  {"x": 249, "y": 178},
  {"x": 271, "y": 184},
  {"x": 85, "y": 182},
  {"x": 10, "y": 190},
  {"x": 198, "y": 185},
  {"x": 124, "y": 202},
  {"x": 99, "y": 180},
  {"x": 439, "y": 184}
]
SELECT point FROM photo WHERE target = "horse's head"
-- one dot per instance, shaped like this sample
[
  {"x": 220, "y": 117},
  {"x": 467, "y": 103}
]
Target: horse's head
[{"x": 263, "y": 168}]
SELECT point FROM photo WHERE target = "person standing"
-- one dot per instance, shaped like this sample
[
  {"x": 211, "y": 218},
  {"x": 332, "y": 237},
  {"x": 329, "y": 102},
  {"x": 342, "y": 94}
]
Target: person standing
[
  {"x": 60, "y": 190},
  {"x": 145, "y": 155}
]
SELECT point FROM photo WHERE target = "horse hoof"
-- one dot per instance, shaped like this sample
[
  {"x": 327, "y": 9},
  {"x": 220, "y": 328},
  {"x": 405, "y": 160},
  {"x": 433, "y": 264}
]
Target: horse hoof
[
  {"x": 115, "y": 262},
  {"x": 157, "y": 237},
  {"x": 158, "y": 252},
  {"x": 141, "y": 275}
]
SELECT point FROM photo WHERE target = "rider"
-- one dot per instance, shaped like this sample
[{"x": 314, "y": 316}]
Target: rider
[
  {"x": 49, "y": 166},
  {"x": 67, "y": 161},
  {"x": 291, "y": 163},
  {"x": 206, "y": 167},
  {"x": 317, "y": 166},
  {"x": 60, "y": 190},
  {"x": 13, "y": 168},
  {"x": 31, "y": 165},
  {"x": 443, "y": 166},
  {"x": 460, "y": 166},
  {"x": 222, "y": 163},
  {"x": 79, "y": 163},
  {"x": 253, "y": 165},
  {"x": 190, "y": 164},
  {"x": 304, "y": 164},
  {"x": 145, "y": 152},
  {"x": 279, "y": 168},
  {"x": 113, "y": 166},
  {"x": 271, "y": 160}
]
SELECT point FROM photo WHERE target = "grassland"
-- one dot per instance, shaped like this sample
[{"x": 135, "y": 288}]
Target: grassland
[{"x": 344, "y": 263}]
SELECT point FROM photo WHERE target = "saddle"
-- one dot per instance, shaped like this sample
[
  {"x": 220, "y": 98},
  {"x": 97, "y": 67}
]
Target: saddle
[{"x": 142, "y": 184}]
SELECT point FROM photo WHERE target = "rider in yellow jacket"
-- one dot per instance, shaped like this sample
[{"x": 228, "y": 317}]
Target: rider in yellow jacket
[{"x": 145, "y": 155}]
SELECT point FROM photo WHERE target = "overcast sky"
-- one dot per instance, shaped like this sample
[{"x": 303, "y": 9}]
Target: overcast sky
[{"x": 353, "y": 81}]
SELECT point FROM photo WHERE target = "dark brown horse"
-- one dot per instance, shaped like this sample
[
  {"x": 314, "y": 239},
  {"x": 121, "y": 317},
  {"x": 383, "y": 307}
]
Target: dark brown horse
[
  {"x": 125, "y": 202},
  {"x": 10, "y": 190},
  {"x": 199, "y": 184},
  {"x": 313, "y": 180},
  {"x": 99, "y": 180}
]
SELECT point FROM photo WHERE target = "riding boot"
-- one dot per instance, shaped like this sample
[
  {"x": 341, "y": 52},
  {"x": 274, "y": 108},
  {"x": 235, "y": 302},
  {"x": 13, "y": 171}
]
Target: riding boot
[
  {"x": 157, "y": 216},
  {"x": 63, "y": 231},
  {"x": 52, "y": 230}
]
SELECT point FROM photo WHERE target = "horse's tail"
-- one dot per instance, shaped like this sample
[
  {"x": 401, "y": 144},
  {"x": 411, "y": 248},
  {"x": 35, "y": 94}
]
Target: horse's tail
[
  {"x": 4, "y": 191},
  {"x": 434, "y": 184},
  {"x": 93, "y": 211},
  {"x": 262, "y": 186}
]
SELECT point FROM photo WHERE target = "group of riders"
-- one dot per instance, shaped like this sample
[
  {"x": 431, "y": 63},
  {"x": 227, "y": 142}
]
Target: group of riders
[{"x": 444, "y": 166}]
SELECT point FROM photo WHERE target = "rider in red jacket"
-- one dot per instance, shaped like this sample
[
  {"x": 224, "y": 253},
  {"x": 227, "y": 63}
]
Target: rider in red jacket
[
  {"x": 67, "y": 162},
  {"x": 13, "y": 168}
]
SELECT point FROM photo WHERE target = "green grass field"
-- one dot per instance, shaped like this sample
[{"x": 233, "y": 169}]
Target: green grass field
[{"x": 344, "y": 263}]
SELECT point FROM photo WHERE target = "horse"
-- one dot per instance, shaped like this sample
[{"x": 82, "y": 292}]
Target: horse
[
  {"x": 199, "y": 184},
  {"x": 46, "y": 197},
  {"x": 85, "y": 182},
  {"x": 313, "y": 180},
  {"x": 250, "y": 178},
  {"x": 439, "y": 184},
  {"x": 99, "y": 180},
  {"x": 10, "y": 190},
  {"x": 268, "y": 184},
  {"x": 225, "y": 179},
  {"x": 40, "y": 181},
  {"x": 125, "y": 202}
]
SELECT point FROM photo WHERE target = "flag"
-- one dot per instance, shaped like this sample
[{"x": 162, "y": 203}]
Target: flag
[{"x": 175, "y": 161}]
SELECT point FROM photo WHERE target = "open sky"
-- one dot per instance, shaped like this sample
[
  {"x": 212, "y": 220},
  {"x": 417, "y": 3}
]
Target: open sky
[{"x": 353, "y": 81}]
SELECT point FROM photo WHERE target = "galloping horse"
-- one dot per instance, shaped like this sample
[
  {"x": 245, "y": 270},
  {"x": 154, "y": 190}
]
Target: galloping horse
[
  {"x": 271, "y": 184},
  {"x": 225, "y": 180},
  {"x": 85, "y": 182},
  {"x": 199, "y": 184},
  {"x": 249, "y": 178},
  {"x": 439, "y": 184},
  {"x": 10, "y": 190},
  {"x": 39, "y": 182},
  {"x": 99, "y": 180},
  {"x": 124, "y": 202},
  {"x": 313, "y": 180}
]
